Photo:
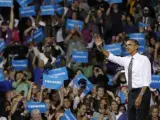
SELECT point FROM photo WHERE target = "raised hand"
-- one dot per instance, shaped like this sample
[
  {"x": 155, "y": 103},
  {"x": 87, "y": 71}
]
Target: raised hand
[{"x": 98, "y": 40}]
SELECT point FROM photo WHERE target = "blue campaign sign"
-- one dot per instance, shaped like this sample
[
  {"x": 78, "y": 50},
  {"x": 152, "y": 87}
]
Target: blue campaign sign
[
  {"x": 140, "y": 37},
  {"x": 59, "y": 73},
  {"x": 122, "y": 96},
  {"x": 71, "y": 24},
  {"x": 125, "y": 53},
  {"x": 30, "y": 39},
  {"x": 20, "y": 64},
  {"x": 60, "y": 10},
  {"x": 27, "y": 11},
  {"x": 58, "y": 1},
  {"x": 51, "y": 82},
  {"x": 155, "y": 81},
  {"x": 6, "y": 3},
  {"x": 1, "y": 75},
  {"x": 141, "y": 24},
  {"x": 41, "y": 106},
  {"x": 38, "y": 35},
  {"x": 89, "y": 85},
  {"x": 47, "y": 10},
  {"x": 68, "y": 115},
  {"x": 115, "y": 49},
  {"x": 80, "y": 56},
  {"x": 114, "y": 1},
  {"x": 110, "y": 79},
  {"x": 2, "y": 45},
  {"x": 141, "y": 49},
  {"x": 24, "y": 3}
]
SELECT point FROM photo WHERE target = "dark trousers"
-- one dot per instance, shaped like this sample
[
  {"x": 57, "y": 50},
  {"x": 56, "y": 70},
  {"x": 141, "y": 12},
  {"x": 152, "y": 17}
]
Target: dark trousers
[{"x": 142, "y": 112}]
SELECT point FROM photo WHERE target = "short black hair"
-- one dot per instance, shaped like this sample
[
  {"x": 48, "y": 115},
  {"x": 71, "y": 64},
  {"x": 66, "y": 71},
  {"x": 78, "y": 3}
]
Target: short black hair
[{"x": 134, "y": 40}]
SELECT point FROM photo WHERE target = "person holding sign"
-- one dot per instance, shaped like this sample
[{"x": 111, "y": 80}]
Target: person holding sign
[
  {"x": 138, "y": 75},
  {"x": 6, "y": 28}
]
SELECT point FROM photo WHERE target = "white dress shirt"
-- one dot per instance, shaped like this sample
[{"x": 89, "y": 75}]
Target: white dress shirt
[{"x": 141, "y": 69}]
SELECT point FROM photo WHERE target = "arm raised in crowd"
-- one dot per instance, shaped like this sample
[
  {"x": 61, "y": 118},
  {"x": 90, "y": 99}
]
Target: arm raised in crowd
[
  {"x": 157, "y": 46},
  {"x": 14, "y": 107},
  {"x": 87, "y": 18},
  {"x": 30, "y": 91},
  {"x": 11, "y": 22},
  {"x": 109, "y": 10},
  {"x": 69, "y": 36},
  {"x": 110, "y": 56},
  {"x": 61, "y": 95},
  {"x": 99, "y": 43},
  {"x": 28, "y": 30}
]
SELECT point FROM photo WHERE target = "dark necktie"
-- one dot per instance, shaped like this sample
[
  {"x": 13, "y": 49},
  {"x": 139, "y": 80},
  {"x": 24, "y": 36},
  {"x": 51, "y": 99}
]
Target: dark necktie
[{"x": 130, "y": 74}]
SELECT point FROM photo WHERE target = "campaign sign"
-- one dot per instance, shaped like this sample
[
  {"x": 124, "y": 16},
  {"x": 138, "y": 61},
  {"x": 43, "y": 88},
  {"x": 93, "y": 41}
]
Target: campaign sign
[
  {"x": 89, "y": 85},
  {"x": 41, "y": 106},
  {"x": 80, "y": 56},
  {"x": 141, "y": 49},
  {"x": 110, "y": 79},
  {"x": 141, "y": 24},
  {"x": 47, "y": 10},
  {"x": 23, "y": 3},
  {"x": 58, "y": 1},
  {"x": 27, "y": 11},
  {"x": 6, "y": 3},
  {"x": 125, "y": 53},
  {"x": 59, "y": 73},
  {"x": 71, "y": 24},
  {"x": 122, "y": 96},
  {"x": 114, "y": 1},
  {"x": 114, "y": 48},
  {"x": 60, "y": 10},
  {"x": 155, "y": 81},
  {"x": 140, "y": 37},
  {"x": 38, "y": 35},
  {"x": 68, "y": 115},
  {"x": 2, "y": 45},
  {"x": 51, "y": 82},
  {"x": 29, "y": 39},
  {"x": 1, "y": 75},
  {"x": 20, "y": 64}
]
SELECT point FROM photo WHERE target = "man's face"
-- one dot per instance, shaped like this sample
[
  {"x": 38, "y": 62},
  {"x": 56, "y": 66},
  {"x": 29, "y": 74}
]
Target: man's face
[
  {"x": 131, "y": 47},
  {"x": 4, "y": 27},
  {"x": 100, "y": 92},
  {"x": 67, "y": 103},
  {"x": 76, "y": 4}
]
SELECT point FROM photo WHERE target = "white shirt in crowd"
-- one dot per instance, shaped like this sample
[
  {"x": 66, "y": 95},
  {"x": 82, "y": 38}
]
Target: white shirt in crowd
[
  {"x": 141, "y": 69},
  {"x": 41, "y": 56}
]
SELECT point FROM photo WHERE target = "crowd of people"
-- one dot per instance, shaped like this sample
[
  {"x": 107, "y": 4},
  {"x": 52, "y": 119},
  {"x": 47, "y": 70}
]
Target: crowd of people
[{"x": 108, "y": 99}]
